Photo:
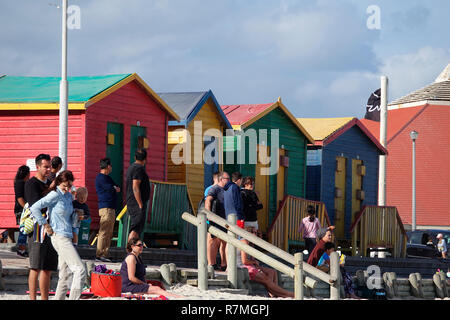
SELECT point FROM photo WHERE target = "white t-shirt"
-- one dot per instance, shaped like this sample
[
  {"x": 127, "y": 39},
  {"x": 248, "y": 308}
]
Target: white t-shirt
[{"x": 442, "y": 246}]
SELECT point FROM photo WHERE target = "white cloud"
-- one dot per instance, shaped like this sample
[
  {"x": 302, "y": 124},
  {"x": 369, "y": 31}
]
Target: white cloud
[
  {"x": 353, "y": 83},
  {"x": 320, "y": 35},
  {"x": 411, "y": 71}
]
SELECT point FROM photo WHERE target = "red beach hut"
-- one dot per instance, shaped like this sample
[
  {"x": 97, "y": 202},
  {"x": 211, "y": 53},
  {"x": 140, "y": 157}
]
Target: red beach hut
[{"x": 110, "y": 115}]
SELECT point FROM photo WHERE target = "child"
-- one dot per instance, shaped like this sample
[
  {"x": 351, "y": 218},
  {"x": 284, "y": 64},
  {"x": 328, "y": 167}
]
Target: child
[
  {"x": 79, "y": 205},
  {"x": 324, "y": 261}
]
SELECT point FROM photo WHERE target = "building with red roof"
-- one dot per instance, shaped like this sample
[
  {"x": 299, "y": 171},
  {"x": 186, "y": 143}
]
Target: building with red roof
[{"x": 426, "y": 111}]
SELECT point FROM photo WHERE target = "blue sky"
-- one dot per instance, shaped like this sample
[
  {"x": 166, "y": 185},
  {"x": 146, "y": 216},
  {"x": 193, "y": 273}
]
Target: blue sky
[{"x": 318, "y": 55}]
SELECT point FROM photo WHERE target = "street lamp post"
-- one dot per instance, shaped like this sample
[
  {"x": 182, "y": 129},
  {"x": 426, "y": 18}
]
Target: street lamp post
[
  {"x": 413, "y": 134},
  {"x": 63, "y": 92}
]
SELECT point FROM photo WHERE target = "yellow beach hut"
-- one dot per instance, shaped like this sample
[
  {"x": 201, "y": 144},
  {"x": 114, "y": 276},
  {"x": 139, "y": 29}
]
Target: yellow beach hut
[{"x": 195, "y": 142}]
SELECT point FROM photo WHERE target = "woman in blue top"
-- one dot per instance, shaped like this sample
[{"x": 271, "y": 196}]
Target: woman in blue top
[{"x": 62, "y": 221}]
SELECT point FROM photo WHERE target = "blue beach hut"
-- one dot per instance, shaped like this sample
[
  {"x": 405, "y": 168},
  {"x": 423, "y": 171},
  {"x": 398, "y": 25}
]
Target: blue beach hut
[{"x": 342, "y": 168}]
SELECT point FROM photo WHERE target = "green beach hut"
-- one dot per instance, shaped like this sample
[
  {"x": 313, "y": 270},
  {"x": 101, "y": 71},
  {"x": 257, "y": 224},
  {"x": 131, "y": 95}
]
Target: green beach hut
[{"x": 270, "y": 145}]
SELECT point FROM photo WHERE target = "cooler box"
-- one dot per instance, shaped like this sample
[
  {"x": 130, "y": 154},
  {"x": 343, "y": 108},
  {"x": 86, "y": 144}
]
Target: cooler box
[{"x": 83, "y": 233}]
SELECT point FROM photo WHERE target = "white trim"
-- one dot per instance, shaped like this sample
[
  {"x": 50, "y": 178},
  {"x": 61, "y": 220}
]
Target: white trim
[
  {"x": 425, "y": 227},
  {"x": 418, "y": 103}
]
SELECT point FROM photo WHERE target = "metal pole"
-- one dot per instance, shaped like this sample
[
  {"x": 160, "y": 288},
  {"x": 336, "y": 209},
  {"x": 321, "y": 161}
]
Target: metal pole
[
  {"x": 383, "y": 134},
  {"x": 202, "y": 263},
  {"x": 63, "y": 92},
  {"x": 231, "y": 254},
  {"x": 413, "y": 185},
  {"x": 298, "y": 278}
]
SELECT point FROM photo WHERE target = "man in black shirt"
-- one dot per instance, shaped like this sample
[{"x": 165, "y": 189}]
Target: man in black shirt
[
  {"x": 43, "y": 257},
  {"x": 138, "y": 193}
]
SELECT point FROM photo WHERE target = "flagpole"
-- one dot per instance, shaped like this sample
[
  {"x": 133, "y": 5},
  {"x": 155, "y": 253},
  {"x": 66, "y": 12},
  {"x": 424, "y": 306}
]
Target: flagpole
[{"x": 383, "y": 134}]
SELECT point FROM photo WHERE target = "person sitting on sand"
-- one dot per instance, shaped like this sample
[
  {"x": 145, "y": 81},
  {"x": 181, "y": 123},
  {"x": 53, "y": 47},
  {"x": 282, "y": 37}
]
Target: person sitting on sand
[
  {"x": 266, "y": 276},
  {"x": 133, "y": 272}
]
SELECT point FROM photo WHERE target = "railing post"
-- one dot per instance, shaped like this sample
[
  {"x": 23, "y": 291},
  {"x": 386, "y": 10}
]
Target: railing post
[
  {"x": 201, "y": 252},
  {"x": 335, "y": 272},
  {"x": 231, "y": 255},
  {"x": 298, "y": 277}
]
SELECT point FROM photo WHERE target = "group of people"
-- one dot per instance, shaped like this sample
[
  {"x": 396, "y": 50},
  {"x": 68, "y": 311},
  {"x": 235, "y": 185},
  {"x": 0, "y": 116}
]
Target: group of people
[
  {"x": 51, "y": 243},
  {"x": 440, "y": 245},
  {"x": 229, "y": 195},
  {"x": 58, "y": 208},
  {"x": 319, "y": 244},
  {"x": 236, "y": 195}
]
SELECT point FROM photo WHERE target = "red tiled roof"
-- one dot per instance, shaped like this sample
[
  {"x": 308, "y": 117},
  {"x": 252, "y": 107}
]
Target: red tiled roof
[{"x": 241, "y": 113}]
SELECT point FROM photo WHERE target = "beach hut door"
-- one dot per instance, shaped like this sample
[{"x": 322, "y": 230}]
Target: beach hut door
[
  {"x": 358, "y": 171},
  {"x": 280, "y": 179},
  {"x": 339, "y": 197},
  {"x": 138, "y": 140},
  {"x": 262, "y": 187}
]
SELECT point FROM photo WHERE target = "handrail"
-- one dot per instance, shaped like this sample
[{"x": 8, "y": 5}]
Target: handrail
[
  {"x": 267, "y": 246},
  {"x": 122, "y": 213},
  {"x": 299, "y": 265},
  {"x": 379, "y": 226},
  {"x": 284, "y": 226}
]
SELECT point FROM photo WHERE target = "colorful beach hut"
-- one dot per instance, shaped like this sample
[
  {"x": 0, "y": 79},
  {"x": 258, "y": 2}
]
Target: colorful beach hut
[
  {"x": 110, "y": 115},
  {"x": 342, "y": 168},
  {"x": 270, "y": 145},
  {"x": 195, "y": 141},
  {"x": 427, "y": 111}
]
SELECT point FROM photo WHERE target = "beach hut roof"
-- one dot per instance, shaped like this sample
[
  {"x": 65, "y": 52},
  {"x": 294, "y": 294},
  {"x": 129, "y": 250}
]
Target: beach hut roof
[
  {"x": 326, "y": 130},
  {"x": 243, "y": 115},
  {"x": 439, "y": 90},
  {"x": 188, "y": 104},
  {"x": 42, "y": 93}
]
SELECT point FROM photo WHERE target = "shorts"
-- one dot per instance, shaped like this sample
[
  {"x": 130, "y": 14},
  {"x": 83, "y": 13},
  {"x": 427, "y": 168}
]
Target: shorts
[
  {"x": 252, "y": 271},
  {"x": 18, "y": 214},
  {"x": 137, "y": 218},
  {"x": 42, "y": 255},
  {"x": 217, "y": 226}
]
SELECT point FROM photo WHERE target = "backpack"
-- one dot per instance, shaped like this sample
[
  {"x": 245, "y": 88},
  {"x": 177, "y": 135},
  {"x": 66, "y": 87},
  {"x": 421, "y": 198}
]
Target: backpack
[
  {"x": 201, "y": 205},
  {"x": 26, "y": 222}
]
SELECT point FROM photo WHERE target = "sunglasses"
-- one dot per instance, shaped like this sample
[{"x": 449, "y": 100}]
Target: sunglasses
[{"x": 139, "y": 245}]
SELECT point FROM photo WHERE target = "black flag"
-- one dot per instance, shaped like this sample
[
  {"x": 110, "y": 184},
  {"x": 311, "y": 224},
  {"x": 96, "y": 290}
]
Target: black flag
[{"x": 373, "y": 106}]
